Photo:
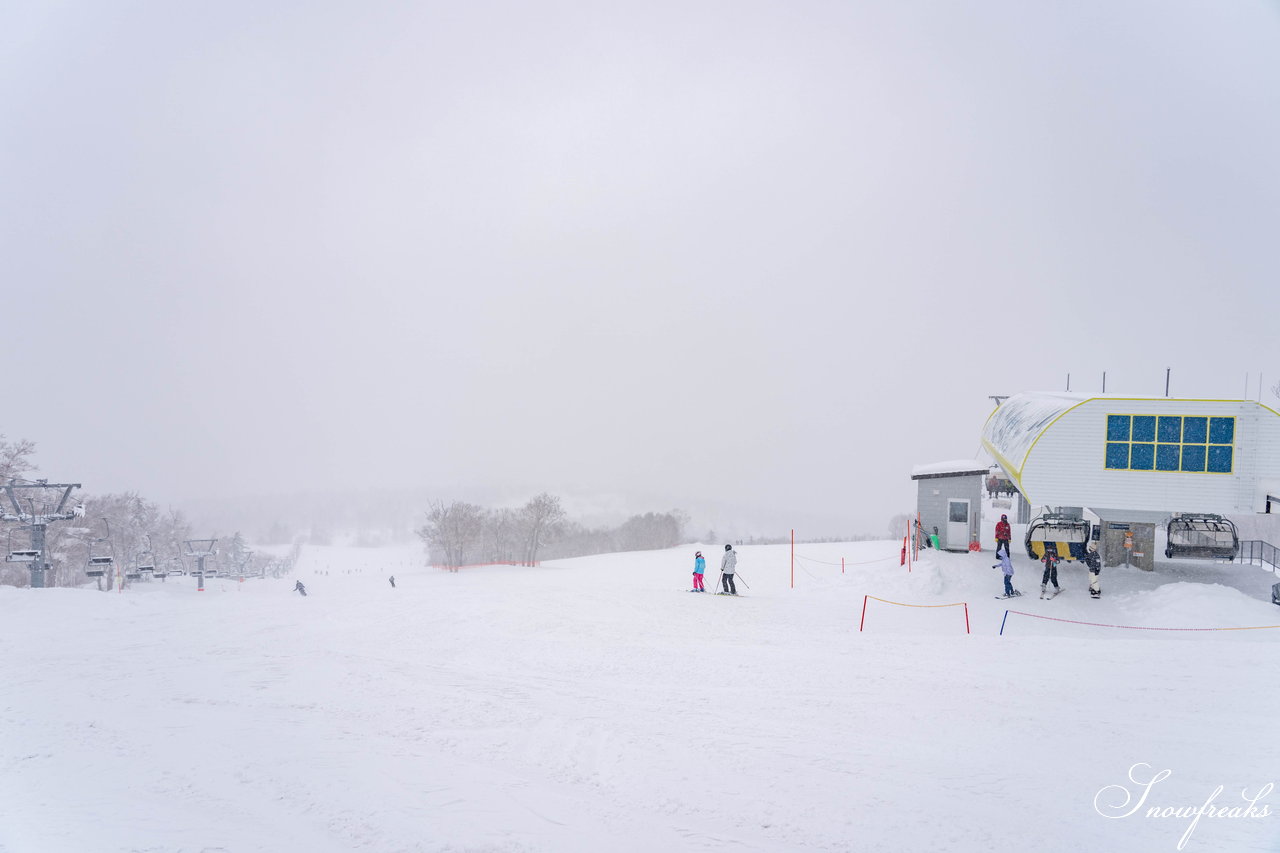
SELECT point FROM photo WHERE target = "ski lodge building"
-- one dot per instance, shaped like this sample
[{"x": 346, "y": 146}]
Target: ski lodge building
[{"x": 1134, "y": 462}]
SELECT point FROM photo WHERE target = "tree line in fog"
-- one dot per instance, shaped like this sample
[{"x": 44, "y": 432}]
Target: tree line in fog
[
  {"x": 127, "y": 527},
  {"x": 460, "y": 533}
]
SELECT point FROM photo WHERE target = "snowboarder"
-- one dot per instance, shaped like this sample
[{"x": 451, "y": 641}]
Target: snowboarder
[
  {"x": 699, "y": 566},
  {"x": 1094, "y": 562},
  {"x": 728, "y": 564},
  {"x": 1006, "y": 564},
  {"x": 298, "y": 587},
  {"x": 1050, "y": 570},
  {"x": 393, "y": 581},
  {"x": 1003, "y": 534}
]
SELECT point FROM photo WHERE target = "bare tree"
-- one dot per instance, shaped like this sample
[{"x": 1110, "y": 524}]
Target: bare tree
[
  {"x": 15, "y": 458},
  {"x": 502, "y": 535},
  {"x": 899, "y": 525},
  {"x": 453, "y": 530},
  {"x": 542, "y": 518}
]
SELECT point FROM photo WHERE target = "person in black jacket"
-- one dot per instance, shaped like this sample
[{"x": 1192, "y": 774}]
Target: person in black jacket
[
  {"x": 1094, "y": 562},
  {"x": 1050, "y": 561},
  {"x": 298, "y": 587}
]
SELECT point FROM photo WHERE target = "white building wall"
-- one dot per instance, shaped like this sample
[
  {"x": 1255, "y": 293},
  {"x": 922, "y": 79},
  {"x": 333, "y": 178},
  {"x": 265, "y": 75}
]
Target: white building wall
[{"x": 1067, "y": 464}]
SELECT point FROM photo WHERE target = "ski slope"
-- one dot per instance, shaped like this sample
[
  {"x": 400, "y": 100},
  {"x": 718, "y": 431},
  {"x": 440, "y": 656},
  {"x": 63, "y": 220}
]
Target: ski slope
[{"x": 595, "y": 705}]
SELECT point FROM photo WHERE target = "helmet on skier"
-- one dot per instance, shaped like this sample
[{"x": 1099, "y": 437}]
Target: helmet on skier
[
  {"x": 1004, "y": 518},
  {"x": 728, "y": 547},
  {"x": 698, "y": 554}
]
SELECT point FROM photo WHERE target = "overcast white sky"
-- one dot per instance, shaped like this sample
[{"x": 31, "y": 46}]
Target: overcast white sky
[{"x": 767, "y": 254}]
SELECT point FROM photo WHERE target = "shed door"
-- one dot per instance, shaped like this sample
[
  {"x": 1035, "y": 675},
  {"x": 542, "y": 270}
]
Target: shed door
[{"x": 957, "y": 524}]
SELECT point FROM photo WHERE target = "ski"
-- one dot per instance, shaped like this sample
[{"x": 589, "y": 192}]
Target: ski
[
  {"x": 1003, "y": 597},
  {"x": 1051, "y": 596}
]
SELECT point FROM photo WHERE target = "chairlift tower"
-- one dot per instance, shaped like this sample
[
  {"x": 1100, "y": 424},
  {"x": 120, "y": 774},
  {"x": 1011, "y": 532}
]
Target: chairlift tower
[
  {"x": 201, "y": 549},
  {"x": 38, "y": 513}
]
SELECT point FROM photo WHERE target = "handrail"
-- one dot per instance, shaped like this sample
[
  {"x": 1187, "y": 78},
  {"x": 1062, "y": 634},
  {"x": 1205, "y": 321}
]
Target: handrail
[{"x": 1263, "y": 552}]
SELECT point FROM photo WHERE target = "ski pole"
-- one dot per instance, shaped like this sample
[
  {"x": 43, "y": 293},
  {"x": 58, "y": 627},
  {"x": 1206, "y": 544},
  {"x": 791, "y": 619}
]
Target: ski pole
[
  {"x": 720, "y": 583},
  {"x": 739, "y": 576}
]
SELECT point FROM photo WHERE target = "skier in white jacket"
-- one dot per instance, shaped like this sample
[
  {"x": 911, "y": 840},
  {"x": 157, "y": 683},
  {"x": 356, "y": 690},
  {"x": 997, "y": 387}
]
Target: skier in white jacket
[{"x": 728, "y": 563}]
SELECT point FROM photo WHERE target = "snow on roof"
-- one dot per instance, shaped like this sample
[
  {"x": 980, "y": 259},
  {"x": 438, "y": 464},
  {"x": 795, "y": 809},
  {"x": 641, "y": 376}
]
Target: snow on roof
[
  {"x": 1014, "y": 427},
  {"x": 955, "y": 466}
]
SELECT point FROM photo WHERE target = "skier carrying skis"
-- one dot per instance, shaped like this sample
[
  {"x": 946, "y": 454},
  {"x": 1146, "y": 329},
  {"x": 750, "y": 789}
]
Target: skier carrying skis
[
  {"x": 298, "y": 587},
  {"x": 1050, "y": 561},
  {"x": 728, "y": 564},
  {"x": 1006, "y": 564},
  {"x": 1003, "y": 534},
  {"x": 1094, "y": 562},
  {"x": 699, "y": 566}
]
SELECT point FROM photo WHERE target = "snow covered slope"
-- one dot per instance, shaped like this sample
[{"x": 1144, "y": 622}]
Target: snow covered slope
[{"x": 595, "y": 705}]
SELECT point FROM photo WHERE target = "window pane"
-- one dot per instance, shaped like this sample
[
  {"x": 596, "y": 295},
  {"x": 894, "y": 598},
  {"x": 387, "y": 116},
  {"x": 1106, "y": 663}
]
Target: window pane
[
  {"x": 1118, "y": 455},
  {"x": 1144, "y": 427},
  {"x": 1219, "y": 459},
  {"x": 1222, "y": 430},
  {"x": 1192, "y": 457},
  {"x": 1170, "y": 428},
  {"x": 1143, "y": 456},
  {"x": 1118, "y": 429},
  {"x": 1195, "y": 430},
  {"x": 1167, "y": 456},
  {"x": 958, "y": 511}
]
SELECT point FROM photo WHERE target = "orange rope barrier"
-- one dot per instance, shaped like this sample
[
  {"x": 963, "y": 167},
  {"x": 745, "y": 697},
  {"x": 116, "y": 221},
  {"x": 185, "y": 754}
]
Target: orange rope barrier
[
  {"x": 900, "y": 604},
  {"x": 1133, "y": 627},
  {"x": 865, "y": 598}
]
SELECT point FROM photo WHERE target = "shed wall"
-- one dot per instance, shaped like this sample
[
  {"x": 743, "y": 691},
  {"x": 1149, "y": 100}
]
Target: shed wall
[{"x": 933, "y": 507}]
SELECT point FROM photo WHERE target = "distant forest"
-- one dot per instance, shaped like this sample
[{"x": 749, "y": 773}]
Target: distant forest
[{"x": 460, "y": 533}]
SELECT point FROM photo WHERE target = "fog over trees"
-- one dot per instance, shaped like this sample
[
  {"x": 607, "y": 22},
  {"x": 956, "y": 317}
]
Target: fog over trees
[
  {"x": 125, "y": 526},
  {"x": 461, "y": 533}
]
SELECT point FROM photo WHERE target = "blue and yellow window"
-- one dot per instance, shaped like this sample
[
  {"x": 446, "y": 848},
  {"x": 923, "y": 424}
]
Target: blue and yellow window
[{"x": 1193, "y": 443}]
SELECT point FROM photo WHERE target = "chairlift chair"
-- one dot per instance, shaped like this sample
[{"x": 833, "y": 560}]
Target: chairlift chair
[
  {"x": 101, "y": 558},
  {"x": 145, "y": 561},
  {"x": 99, "y": 566},
  {"x": 20, "y": 555},
  {"x": 1204, "y": 536},
  {"x": 1067, "y": 536}
]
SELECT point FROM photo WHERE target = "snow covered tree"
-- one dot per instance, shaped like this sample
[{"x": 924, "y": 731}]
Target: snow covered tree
[
  {"x": 541, "y": 517},
  {"x": 898, "y": 525},
  {"x": 502, "y": 535},
  {"x": 453, "y": 530},
  {"x": 15, "y": 458}
]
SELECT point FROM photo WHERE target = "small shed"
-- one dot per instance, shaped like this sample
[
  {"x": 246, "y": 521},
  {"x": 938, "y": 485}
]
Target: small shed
[{"x": 949, "y": 500}]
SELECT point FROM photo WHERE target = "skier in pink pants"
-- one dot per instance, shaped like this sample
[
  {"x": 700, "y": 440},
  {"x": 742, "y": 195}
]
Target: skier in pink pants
[{"x": 699, "y": 566}]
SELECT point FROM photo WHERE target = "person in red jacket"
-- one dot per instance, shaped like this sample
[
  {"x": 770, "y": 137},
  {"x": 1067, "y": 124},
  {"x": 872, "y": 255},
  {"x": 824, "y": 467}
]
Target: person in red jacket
[{"x": 1003, "y": 533}]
